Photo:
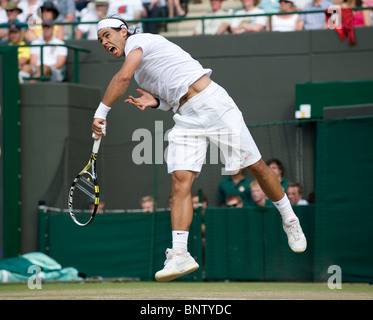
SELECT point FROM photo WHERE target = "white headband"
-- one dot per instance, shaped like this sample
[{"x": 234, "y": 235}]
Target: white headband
[{"x": 110, "y": 23}]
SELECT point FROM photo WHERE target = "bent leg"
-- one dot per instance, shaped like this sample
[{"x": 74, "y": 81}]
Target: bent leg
[
  {"x": 267, "y": 179},
  {"x": 271, "y": 186}
]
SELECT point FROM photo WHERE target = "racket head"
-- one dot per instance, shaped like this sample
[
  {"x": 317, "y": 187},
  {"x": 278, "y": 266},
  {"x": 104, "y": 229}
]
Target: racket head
[{"x": 84, "y": 196}]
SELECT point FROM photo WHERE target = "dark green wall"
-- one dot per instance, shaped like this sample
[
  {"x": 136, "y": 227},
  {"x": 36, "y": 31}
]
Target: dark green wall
[{"x": 260, "y": 71}]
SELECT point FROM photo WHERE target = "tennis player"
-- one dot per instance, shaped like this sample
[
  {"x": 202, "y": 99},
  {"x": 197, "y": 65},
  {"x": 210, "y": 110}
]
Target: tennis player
[{"x": 203, "y": 112}]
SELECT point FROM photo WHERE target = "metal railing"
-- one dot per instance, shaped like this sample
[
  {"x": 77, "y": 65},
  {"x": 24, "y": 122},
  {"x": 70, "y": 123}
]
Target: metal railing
[{"x": 68, "y": 46}]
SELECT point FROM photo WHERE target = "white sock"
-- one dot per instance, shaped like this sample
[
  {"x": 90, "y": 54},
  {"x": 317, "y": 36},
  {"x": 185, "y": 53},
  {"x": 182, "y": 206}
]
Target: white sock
[
  {"x": 285, "y": 208},
  {"x": 180, "y": 239}
]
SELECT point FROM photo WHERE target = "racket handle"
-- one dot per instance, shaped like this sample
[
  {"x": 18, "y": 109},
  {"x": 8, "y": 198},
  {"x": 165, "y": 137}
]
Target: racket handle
[{"x": 96, "y": 144}]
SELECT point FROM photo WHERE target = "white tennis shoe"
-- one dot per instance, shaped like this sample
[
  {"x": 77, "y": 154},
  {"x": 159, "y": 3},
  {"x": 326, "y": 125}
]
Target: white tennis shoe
[
  {"x": 296, "y": 238},
  {"x": 177, "y": 264}
]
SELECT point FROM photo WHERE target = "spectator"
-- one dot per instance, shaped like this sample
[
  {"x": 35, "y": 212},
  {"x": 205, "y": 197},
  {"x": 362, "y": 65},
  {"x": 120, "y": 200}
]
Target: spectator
[
  {"x": 234, "y": 201},
  {"x": 172, "y": 5},
  {"x": 95, "y": 11},
  {"x": 259, "y": 197},
  {"x": 314, "y": 21},
  {"x": 284, "y": 22},
  {"x": 16, "y": 39},
  {"x": 249, "y": 24},
  {"x": 269, "y": 6},
  {"x": 81, "y": 4},
  {"x": 10, "y": 13},
  {"x": 196, "y": 203},
  {"x": 278, "y": 168},
  {"x": 152, "y": 9},
  {"x": 30, "y": 9},
  {"x": 101, "y": 205},
  {"x": 312, "y": 197},
  {"x": 214, "y": 26},
  {"x": 147, "y": 204},
  {"x": 3, "y": 16},
  {"x": 66, "y": 9},
  {"x": 295, "y": 194},
  {"x": 48, "y": 12},
  {"x": 360, "y": 18},
  {"x": 127, "y": 9},
  {"x": 54, "y": 57},
  {"x": 369, "y": 3},
  {"x": 236, "y": 184}
]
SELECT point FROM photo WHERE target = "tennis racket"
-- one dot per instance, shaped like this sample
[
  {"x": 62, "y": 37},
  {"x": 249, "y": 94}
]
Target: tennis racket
[{"x": 84, "y": 196}]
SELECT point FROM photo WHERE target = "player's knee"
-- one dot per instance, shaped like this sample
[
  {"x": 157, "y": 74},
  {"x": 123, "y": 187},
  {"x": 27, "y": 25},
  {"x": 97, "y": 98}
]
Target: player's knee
[
  {"x": 182, "y": 181},
  {"x": 258, "y": 169}
]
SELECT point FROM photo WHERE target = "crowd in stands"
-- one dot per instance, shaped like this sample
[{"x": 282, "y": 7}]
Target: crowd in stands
[{"x": 72, "y": 19}]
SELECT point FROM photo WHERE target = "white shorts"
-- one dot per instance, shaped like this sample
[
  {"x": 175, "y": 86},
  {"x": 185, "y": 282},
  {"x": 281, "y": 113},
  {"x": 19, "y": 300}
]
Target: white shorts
[{"x": 210, "y": 116}]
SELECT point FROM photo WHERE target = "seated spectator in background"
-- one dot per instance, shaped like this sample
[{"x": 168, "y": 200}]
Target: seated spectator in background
[
  {"x": 314, "y": 21},
  {"x": 360, "y": 18},
  {"x": 259, "y": 197},
  {"x": 172, "y": 5},
  {"x": 95, "y": 11},
  {"x": 16, "y": 39},
  {"x": 295, "y": 194},
  {"x": 101, "y": 206},
  {"x": 214, "y": 26},
  {"x": 81, "y": 4},
  {"x": 66, "y": 9},
  {"x": 284, "y": 22},
  {"x": 152, "y": 9},
  {"x": 248, "y": 24},
  {"x": 147, "y": 204},
  {"x": 196, "y": 203},
  {"x": 236, "y": 184},
  {"x": 312, "y": 197},
  {"x": 54, "y": 58},
  {"x": 369, "y": 3},
  {"x": 48, "y": 12},
  {"x": 10, "y": 13},
  {"x": 269, "y": 6},
  {"x": 30, "y": 9},
  {"x": 278, "y": 168},
  {"x": 234, "y": 201},
  {"x": 128, "y": 10}
]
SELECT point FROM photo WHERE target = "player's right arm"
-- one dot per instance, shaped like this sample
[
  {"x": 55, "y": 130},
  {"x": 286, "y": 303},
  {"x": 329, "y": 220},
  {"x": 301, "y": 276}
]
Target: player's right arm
[{"x": 116, "y": 89}]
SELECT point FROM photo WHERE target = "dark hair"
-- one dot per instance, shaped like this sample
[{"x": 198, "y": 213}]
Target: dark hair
[
  {"x": 278, "y": 162},
  {"x": 296, "y": 185},
  {"x": 130, "y": 31}
]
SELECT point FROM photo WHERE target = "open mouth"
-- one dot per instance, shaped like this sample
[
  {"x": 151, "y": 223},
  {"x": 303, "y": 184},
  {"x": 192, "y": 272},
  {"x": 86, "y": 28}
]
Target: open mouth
[{"x": 112, "y": 50}]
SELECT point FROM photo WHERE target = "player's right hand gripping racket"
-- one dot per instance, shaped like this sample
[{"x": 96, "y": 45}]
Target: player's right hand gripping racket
[{"x": 84, "y": 192}]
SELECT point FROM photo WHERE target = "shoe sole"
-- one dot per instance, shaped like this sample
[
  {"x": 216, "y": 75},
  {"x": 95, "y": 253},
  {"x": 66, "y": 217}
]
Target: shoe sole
[{"x": 175, "y": 275}]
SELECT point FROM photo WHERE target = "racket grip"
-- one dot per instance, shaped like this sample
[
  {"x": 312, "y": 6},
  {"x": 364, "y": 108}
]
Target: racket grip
[
  {"x": 103, "y": 128},
  {"x": 96, "y": 143}
]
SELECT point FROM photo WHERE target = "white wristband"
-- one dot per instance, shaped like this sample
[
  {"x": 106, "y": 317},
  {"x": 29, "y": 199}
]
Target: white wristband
[{"x": 102, "y": 111}]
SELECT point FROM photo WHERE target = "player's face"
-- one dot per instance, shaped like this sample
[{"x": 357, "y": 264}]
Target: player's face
[{"x": 113, "y": 41}]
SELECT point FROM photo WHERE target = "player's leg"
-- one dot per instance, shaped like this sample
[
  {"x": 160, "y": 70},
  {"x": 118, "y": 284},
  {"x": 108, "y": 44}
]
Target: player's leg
[
  {"x": 179, "y": 262},
  {"x": 274, "y": 191}
]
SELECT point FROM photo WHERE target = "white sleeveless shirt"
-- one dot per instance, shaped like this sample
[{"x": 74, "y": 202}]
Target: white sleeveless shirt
[{"x": 165, "y": 70}]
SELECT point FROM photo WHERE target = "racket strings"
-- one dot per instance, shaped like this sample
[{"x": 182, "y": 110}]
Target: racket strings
[{"x": 84, "y": 199}]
